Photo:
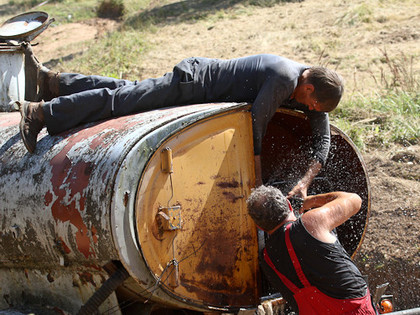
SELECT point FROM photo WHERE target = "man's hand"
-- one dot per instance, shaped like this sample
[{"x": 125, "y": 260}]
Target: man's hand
[{"x": 301, "y": 188}]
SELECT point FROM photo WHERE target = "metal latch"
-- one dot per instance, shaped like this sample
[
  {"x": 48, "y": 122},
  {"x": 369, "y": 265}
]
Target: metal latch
[{"x": 170, "y": 218}]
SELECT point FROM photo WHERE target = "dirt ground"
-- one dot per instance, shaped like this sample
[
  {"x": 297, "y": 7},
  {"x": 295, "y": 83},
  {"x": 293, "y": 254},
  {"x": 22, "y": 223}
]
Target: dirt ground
[{"x": 391, "y": 247}]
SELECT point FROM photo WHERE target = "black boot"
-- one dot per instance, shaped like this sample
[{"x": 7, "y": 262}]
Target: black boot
[
  {"x": 47, "y": 81},
  {"x": 47, "y": 84},
  {"x": 31, "y": 123}
]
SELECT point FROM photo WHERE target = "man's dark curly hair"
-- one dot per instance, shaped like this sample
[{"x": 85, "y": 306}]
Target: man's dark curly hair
[
  {"x": 267, "y": 207},
  {"x": 329, "y": 87}
]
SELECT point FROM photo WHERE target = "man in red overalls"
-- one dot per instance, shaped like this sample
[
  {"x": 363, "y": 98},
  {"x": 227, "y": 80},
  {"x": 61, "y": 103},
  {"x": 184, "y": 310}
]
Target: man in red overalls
[{"x": 303, "y": 258}]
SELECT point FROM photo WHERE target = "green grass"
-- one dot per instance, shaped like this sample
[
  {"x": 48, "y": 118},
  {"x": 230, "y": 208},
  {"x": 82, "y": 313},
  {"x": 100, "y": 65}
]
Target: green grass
[
  {"x": 380, "y": 120},
  {"x": 63, "y": 11},
  {"x": 392, "y": 115},
  {"x": 120, "y": 56},
  {"x": 358, "y": 15}
]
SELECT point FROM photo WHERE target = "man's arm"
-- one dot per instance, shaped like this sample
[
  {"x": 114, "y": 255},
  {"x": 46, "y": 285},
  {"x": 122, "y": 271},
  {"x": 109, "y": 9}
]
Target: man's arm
[
  {"x": 329, "y": 211},
  {"x": 321, "y": 138},
  {"x": 321, "y": 145},
  {"x": 270, "y": 96},
  {"x": 301, "y": 188},
  {"x": 263, "y": 109}
]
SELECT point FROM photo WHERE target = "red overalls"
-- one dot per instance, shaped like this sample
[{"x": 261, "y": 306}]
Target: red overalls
[{"x": 312, "y": 301}]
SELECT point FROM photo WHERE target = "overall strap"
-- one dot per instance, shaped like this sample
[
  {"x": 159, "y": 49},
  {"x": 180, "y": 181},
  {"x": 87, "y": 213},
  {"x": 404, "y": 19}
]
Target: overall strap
[
  {"x": 294, "y": 259},
  {"x": 289, "y": 284}
]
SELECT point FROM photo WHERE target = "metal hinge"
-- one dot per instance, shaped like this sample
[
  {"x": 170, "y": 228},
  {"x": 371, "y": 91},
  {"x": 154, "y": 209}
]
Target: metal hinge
[{"x": 170, "y": 218}]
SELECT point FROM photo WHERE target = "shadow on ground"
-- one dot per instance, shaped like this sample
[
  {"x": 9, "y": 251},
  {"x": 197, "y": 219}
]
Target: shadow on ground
[{"x": 190, "y": 10}]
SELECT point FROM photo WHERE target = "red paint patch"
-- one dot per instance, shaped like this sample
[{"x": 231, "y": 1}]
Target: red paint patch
[
  {"x": 64, "y": 246},
  {"x": 68, "y": 182},
  {"x": 10, "y": 119},
  {"x": 97, "y": 131},
  {"x": 94, "y": 235},
  {"x": 98, "y": 268},
  {"x": 48, "y": 198},
  {"x": 86, "y": 277}
]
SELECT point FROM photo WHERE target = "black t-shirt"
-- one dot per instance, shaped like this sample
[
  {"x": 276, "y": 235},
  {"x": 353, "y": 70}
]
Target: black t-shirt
[{"x": 326, "y": 266}]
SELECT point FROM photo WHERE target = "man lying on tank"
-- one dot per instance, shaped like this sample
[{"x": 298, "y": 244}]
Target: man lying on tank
[
  {"x": 303, "y": 259},
  {"x": 266, "y": 81}
]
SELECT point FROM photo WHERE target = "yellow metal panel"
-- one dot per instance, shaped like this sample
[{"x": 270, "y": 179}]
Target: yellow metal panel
[{"x": 212, "y": 259}]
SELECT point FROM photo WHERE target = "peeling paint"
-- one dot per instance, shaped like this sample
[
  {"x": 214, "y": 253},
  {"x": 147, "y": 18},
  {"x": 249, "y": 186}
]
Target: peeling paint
[
  {"x": 71, "y": 206},
  {"x": 63, "y": 246},
  {"x": 86, "y": 277},
  {"x": 68, "y": 183}
]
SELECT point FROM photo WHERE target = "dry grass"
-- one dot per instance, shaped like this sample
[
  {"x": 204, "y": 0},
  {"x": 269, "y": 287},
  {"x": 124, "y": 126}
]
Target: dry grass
[{"x": 349, "y": 36}]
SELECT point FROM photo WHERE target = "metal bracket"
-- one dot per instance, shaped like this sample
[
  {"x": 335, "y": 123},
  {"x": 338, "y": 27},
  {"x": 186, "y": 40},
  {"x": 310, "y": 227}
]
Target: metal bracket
[{"x": 170, "y": 218}]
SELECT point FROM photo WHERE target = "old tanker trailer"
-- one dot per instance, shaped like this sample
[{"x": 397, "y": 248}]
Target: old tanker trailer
[{"x": 147, "y": 212}]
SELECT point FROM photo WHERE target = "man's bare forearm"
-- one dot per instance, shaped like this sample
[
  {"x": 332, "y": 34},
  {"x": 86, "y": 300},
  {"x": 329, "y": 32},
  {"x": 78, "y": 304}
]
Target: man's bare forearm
[
  {"x": 301, "y": 187},
  {"x": 310, "y": 174}
]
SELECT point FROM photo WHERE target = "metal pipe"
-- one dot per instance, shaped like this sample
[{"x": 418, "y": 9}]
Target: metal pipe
[
  {"x": 109, "y": 286},
  {"x": 413, "y": 311}
]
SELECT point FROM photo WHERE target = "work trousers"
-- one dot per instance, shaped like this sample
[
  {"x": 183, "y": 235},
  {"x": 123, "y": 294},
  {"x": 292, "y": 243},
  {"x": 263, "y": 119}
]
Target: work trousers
[{"x": 86, "y": 99}]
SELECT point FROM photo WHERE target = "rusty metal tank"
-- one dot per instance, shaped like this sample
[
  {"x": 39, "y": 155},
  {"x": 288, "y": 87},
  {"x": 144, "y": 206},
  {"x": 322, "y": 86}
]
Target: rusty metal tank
[{"x": 161, "y": 194}]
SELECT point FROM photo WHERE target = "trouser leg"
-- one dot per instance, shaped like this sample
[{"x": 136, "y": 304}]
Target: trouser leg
[
  {"x": 65, "y": 112},
  {"x": 70, "y": 83},
  {"x": 169, "y": 90}
]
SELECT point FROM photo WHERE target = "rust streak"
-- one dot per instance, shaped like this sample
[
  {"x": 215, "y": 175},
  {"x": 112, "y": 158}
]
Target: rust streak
[
  {"x": 232, "y": 184},
  {"x": 94, "y": 235},
  {"x": 63, "y": 246},
  {"x": 86, "y": 277},
  {"x": 231, "y": 197},
  {"x": 48, "y": 198}
]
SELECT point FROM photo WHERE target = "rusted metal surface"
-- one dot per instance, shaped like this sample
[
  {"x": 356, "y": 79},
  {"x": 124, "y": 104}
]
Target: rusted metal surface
[
  {"x": 72, "y": 203},
  {"x": 123, "y": 216},
  {"x": 91, "y": 195},
  {"x": 213, "y": 258}
]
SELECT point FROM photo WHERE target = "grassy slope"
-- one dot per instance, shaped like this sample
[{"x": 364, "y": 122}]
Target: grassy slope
[{"x": 374, "y": 44}]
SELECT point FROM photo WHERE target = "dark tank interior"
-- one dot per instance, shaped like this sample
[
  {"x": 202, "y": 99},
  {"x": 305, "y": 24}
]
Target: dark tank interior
[{"x": 286, "y": 153}]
